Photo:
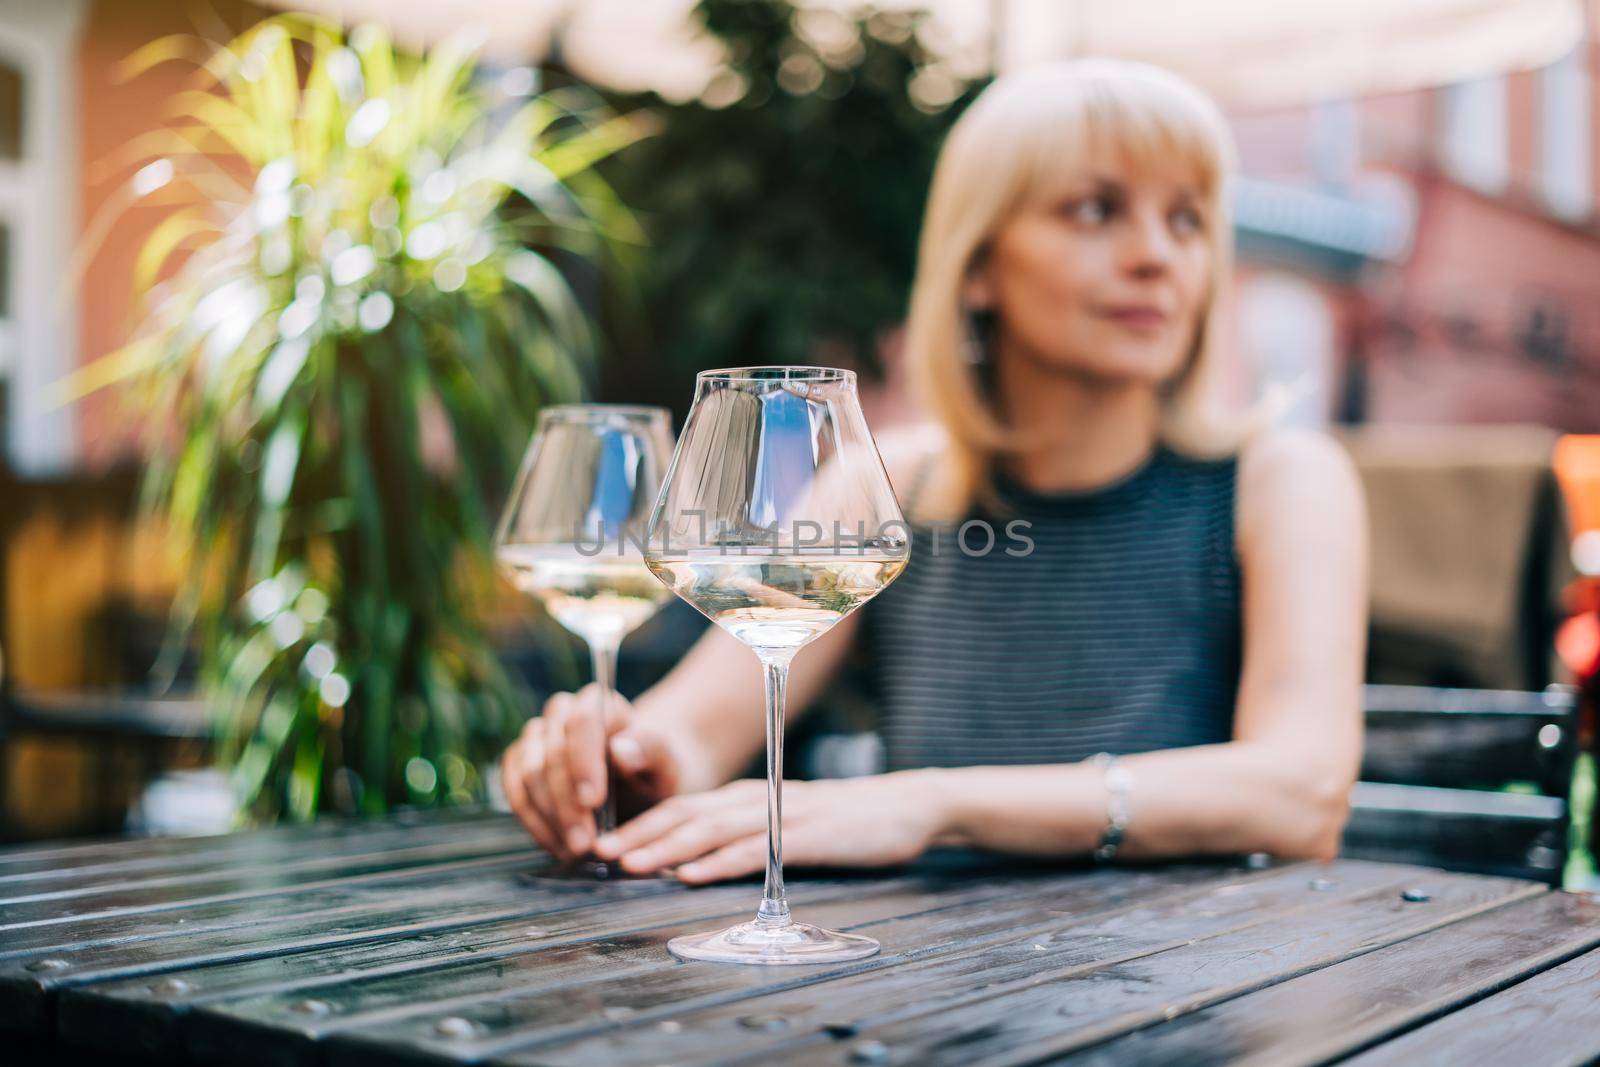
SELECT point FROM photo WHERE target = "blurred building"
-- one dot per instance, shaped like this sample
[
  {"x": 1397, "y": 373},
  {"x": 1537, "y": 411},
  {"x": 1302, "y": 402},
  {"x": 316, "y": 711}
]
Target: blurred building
[{"x": 1429, "y": 256}]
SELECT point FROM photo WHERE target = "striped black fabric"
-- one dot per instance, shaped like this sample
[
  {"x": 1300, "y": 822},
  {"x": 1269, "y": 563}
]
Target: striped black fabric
[{"x": 1118, "y": 632}]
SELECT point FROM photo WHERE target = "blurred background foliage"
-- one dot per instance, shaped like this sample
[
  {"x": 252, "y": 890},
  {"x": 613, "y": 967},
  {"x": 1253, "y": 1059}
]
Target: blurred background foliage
[
  {"x": 352, "y": 318},
  {"x": 783, "y": 206},
  {"x": 375, "y": 269}
]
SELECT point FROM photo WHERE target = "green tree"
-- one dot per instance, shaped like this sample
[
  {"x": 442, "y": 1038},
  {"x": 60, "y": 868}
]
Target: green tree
[{"x": 783, "y": 207}]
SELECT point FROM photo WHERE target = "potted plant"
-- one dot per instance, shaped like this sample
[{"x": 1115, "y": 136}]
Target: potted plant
[{"x": 352, "y": 315}]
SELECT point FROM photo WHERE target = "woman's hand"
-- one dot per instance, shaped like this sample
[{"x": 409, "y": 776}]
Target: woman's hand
[
  {"x": 555, "y": 774},
  {"x": 722, "y": 833}
]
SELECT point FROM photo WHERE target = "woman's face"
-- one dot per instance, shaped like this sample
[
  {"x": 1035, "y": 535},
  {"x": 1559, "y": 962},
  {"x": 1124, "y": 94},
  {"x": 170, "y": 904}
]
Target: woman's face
[{"x": 1105, "y": 280}]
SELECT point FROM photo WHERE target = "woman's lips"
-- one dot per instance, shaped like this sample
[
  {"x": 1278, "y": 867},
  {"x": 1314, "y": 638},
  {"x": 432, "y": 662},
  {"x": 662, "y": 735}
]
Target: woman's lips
[{"x": 1138, "y": 317}]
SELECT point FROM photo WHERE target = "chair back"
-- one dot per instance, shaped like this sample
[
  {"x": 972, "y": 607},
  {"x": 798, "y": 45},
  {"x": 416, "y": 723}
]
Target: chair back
[{"x": 1473, "y": 780}]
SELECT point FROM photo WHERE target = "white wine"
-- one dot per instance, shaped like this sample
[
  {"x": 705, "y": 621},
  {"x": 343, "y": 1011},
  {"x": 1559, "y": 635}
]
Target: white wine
[
  {"x": 774, "y": 601},
  {"x": 601, "y": 598}
]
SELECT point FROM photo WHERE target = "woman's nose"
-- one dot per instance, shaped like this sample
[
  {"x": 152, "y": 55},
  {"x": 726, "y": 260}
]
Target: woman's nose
[{"x": 1147, "y": 245}]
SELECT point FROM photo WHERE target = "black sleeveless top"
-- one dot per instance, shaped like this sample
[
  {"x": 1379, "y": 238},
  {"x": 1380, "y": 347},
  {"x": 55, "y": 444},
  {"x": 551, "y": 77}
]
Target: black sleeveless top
[{"x": 1117, "y": 631}]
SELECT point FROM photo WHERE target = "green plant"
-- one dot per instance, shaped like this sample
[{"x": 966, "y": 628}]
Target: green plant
[
  {"x": 353, "y": 314},
  {"x": 783, "y": 207}
]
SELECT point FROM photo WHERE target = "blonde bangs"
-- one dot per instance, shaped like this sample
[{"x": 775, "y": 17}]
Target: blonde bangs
[{"x": 1024, "y": 138}]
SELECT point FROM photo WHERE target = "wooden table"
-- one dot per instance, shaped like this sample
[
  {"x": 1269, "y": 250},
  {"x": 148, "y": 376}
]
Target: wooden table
[{"x": 445, "y": 938}]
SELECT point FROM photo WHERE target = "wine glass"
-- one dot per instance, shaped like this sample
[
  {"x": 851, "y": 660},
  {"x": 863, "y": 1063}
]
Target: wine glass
[
  {"x": 572, "y": 531},
  {"x": 776, "y": 520}
]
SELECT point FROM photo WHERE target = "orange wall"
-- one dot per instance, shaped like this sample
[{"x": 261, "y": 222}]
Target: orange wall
[{"x": 111, "y": 115}]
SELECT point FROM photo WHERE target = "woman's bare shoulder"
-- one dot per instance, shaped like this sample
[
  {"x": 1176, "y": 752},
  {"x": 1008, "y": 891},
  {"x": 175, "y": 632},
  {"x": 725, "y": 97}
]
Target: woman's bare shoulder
[
  {"x": 1292, "y": 454},
  {"x": 1292, "y": 476}
]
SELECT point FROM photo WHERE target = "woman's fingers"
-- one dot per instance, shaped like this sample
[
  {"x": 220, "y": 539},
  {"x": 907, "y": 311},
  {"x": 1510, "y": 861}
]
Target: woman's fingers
[
  {"x": 805, "y": 840},
  {"x": 646, "y": 827},
  {"x": 693, "y": 838},
  {"x": 537, "y": 786},
  {"x": 586, "y": 746},
  {"x": 744, "y": 856},
  {"x": 573, "y": 820},
  {"x": 743, "y": 797},
  {"x": 511, "y": 782}
]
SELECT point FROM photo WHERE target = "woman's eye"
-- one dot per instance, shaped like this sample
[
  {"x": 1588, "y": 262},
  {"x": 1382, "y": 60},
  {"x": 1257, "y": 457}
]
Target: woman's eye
[
  {"x": 1093, "y": 209},
  {"x": 1187, "y": 221}
]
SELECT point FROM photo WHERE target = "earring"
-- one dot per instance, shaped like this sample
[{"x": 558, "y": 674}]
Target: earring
[{"x": 975, "y": 343}]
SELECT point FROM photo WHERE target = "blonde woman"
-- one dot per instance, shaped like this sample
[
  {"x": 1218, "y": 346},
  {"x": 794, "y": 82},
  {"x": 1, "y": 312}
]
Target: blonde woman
[{"x": 1161, "y": 652}]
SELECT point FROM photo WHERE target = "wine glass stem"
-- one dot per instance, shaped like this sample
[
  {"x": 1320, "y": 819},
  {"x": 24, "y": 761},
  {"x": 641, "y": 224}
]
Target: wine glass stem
[
  {"x": 774, "y": 908},
  {"x": 603, "y": 654}
]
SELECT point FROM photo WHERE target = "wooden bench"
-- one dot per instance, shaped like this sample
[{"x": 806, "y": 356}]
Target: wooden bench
[{"x": 1466, "y": 779}]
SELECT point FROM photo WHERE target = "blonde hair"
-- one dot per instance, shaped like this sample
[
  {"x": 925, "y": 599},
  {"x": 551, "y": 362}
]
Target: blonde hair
[{"x": 1014, "y": 145}]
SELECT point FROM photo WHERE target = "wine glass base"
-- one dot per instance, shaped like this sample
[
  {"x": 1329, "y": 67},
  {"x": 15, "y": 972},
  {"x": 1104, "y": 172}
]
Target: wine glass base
[
  {"x": 763, "y": 943},
  {"x": 600, "y": 871}
]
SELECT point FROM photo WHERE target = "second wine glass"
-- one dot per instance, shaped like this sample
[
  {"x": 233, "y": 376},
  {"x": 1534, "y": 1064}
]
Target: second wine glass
[{"x": 571, "y": 533}]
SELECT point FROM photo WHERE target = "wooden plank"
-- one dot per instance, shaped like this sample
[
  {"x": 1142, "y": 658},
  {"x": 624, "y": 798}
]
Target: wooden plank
[
  {"x": 922, "y": 962},
  {"x": 1508, "y": 834},
  {"x": 172, "y": 893},
  {"x": 1470, "y": 738},
  {"x": 53, "y": 857},
  {"x": 275, "y": 1030},
  {"x": 1549, "y": 1020},
  {"x": 1329, "y": 1014},
  {"x": 265, "y": 851},
  {"x": 146, "y": 1013},
  {"x": 1470, "y": 751},
  {"x": 1522, "y": 807},
  {"x": 291, "y": 856},
  {"x": 1058, "y": 1010},
  {"x": 1087, "y": 982},
  {"x": 1444, "y": 699},
  {"x": 285, "y": 855},
  {"x": 339, "y": 901}
]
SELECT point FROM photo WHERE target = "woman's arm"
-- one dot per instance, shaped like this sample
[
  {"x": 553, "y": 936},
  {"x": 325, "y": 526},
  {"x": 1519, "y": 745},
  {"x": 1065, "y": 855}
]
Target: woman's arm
[{"x": 1282, "y": 784}]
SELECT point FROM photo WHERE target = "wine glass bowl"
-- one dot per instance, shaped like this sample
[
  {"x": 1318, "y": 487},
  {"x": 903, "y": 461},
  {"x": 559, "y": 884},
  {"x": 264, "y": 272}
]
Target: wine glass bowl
[{"x": 776, "y": 520}]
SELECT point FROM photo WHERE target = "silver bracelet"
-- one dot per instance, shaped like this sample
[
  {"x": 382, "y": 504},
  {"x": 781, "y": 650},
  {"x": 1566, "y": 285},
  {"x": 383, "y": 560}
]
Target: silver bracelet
[{"x": 1118, "y": 782}]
